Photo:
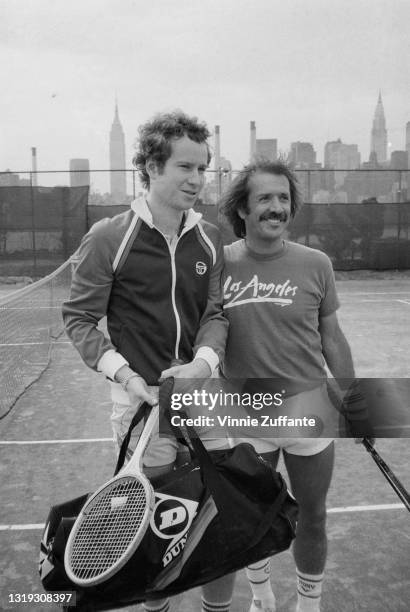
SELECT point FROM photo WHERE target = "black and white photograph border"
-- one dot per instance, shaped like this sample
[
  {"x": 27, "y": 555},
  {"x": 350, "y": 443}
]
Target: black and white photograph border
[{"x": 321, "y": 85}]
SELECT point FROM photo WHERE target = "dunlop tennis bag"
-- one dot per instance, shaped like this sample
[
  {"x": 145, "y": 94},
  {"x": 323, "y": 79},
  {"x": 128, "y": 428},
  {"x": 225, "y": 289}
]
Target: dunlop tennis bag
[{"x": 216, "y": 514}]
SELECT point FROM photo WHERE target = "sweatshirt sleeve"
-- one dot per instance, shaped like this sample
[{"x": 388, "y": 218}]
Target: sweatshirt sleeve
[
  {"x": 213, "y": 329},
  {"x": 88, "y": 301}
]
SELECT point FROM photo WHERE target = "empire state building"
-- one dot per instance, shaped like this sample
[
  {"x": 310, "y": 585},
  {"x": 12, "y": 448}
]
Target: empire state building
[
  {"x": 117, "y": 160},
  {"x": 378, "y": 143}
]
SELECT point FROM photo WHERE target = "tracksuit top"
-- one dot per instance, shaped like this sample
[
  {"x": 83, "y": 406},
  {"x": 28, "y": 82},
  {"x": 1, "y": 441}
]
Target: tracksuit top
[{"x": 163, "y": 301}]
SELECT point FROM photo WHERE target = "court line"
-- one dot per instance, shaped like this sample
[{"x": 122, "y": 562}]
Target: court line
[
  {"x": 342, "y": 509},
  {"x": 26, "y": 527},
  {"x": 379, "y": 301},
  {"x": 404, "y": 302},
  {"x": 369, "y": 508},
  {"x": 92, "y": 440},
  {"x": 73, "y": 441},
  {"x": 30, "y": 307},
  {"x": 353, "y": 293},
  {"x": 33, "y": 343}
]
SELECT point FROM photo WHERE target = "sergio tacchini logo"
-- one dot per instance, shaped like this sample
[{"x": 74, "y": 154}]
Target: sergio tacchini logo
[{"x": 200, "y": 268}]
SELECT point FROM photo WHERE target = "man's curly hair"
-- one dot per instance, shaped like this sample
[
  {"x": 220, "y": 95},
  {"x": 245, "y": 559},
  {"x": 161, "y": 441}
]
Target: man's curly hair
[
  {"x": 155, "y": 138},
  {"x": 236, "y": 196}
]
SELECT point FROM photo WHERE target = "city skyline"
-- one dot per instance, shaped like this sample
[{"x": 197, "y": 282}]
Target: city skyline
[
  {"x": 351, "y": 157},
  {"x": 304, "y": 73},
  {"x": 267, "y": 147}
]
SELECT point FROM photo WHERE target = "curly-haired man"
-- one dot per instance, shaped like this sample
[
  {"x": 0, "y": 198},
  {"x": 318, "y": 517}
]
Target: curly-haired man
[{"x": 155, "y": 272}]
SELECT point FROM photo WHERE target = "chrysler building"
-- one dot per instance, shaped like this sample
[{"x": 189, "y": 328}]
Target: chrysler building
[
  {"x": 378, "y": 143},
  {"x": 117, "y": 160}
]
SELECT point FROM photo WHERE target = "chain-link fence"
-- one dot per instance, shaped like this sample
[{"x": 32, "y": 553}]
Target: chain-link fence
[
  {"x": 40, "y": 227},
  {"x": 360, "y": 218}
]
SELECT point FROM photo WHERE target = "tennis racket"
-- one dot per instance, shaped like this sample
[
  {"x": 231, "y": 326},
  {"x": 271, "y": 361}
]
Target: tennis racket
[
  {"x": 115, "y": 518},
  {"x": 388, "y": 474}
]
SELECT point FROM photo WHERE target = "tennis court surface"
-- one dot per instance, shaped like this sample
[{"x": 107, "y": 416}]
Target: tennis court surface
[{"x": 55, "y": 444}]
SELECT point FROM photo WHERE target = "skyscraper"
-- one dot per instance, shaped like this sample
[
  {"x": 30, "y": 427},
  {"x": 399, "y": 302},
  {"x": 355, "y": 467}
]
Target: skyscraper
[
  {"x": 267, "y": 148},
  {"x": 399, "y": 160},
  {"x": 341, "y": 156},
  {"x": 79, "y": 172},
  {"x": 408, "y": 140},
  {"x": 118, "y": 181},
  {"x": 302, "y": 155},
  {"x": 378, "y": 144},
  {"x": 9, "y": 179}
]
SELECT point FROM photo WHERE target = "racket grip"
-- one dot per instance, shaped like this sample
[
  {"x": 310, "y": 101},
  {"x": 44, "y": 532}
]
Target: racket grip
[
  {"x": 176, "y": 362},
  {"x": 367, "y": 444}
]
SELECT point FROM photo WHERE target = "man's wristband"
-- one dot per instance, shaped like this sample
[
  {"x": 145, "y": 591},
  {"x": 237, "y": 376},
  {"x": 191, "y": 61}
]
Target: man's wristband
[{"x": 124, "y": 377}]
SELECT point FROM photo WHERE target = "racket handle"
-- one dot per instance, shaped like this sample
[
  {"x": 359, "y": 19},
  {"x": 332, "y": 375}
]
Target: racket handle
[
  {"x": 367, "y": 444},
  {"x": 143, "y": 441},
  {"x": 388, "y": 474},
  {"x": 176, "y": 362}
]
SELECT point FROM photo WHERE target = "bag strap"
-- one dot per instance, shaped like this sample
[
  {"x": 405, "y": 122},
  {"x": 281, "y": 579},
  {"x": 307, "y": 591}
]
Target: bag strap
[
  {"x": 210, "y": 474},
  {"x": 180, "y": 432},
  {"x": 216, "y": 485},
  {"x": 271, "y": 512},
  {"x": 195, "y": 446},
  {"x": 138, "y": 416},
  {"x": 188, "y": 435}
]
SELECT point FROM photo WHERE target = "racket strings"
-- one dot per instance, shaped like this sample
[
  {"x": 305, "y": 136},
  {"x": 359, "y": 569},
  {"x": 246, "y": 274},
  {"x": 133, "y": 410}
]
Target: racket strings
[{"x": 109, "y": 528}]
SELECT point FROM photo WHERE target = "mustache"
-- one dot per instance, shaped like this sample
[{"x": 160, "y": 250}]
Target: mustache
[{"x": 276, "y": 216}]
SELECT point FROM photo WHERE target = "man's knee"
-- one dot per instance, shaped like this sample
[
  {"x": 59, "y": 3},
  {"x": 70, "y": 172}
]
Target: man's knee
[{"x": 312, "y": 517}]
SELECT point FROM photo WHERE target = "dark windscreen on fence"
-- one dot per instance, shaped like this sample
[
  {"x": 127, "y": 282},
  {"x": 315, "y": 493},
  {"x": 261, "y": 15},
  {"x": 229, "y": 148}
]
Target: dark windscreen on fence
[
  {"x": 369, "y": 235},
  {"x": 40, "y": 227}
]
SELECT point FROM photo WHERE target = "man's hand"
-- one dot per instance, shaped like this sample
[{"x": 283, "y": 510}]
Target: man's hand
[
  {"x": 198, "y": 368},
  {"x": 356, "y": 411},
  {"x": 139, "y": 392},
  {"x": 360, "y": 440}
]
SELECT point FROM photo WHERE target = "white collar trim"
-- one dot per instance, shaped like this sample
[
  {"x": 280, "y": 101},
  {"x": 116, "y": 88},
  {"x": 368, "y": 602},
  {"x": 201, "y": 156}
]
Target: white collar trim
[{"x": 141, "y": 209}]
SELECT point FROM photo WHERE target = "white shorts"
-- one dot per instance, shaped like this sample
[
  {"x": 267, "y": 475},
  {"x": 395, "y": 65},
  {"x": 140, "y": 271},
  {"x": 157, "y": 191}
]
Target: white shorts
[
  {"x": 294, "y": 446},
  {"x": 314, "y": 403}
]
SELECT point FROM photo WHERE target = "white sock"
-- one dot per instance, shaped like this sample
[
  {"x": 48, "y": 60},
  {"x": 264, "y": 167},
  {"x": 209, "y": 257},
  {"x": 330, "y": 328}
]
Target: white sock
[
  {"x": 160, "y": 605},
  {"x": 309, "y": 591},
  {"x": 215, "y": 607},
  {"x": 259, "y": 579}
]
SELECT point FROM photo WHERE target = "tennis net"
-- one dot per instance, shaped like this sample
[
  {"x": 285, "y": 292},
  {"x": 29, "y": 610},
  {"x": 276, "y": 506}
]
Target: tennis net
[{"x": 30, "y": 322}]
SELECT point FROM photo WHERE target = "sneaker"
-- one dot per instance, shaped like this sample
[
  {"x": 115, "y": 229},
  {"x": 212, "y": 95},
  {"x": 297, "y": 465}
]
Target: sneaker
[{"x": 256, "y": 606}]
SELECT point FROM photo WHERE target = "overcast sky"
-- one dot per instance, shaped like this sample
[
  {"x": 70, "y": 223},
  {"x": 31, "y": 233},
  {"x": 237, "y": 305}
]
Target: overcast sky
[{"x": 307, "y": 70}]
